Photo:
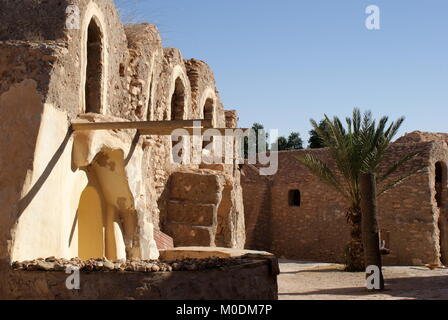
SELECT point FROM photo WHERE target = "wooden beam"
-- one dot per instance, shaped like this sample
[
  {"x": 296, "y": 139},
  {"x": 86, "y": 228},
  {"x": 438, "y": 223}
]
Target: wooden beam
[
  {"x": 140, "y": 125},
  {"x": 191, "y": 131}
]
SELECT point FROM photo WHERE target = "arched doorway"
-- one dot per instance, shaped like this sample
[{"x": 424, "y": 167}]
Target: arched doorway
[
  {"x": 107, "y": 219},
  {"x": 440, "y": 183},
  {"x": 94, "y": 69}
]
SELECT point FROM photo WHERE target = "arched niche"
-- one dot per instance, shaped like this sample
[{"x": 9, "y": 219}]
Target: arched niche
[
  {"x": 94, "y": 68},
  {"x": 93, "y": 61},
  {"x": 178, "y": 101},
  {"x": 179, "y": 111}
]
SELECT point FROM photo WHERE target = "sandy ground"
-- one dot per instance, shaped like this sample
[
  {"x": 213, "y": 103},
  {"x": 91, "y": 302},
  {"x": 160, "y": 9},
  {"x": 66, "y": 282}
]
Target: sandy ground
[{"x": 320, "y": 281}]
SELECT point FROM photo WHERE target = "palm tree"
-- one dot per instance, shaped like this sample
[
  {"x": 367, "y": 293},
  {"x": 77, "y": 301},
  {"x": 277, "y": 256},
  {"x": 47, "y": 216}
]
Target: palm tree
[{"x": 355, "y": 150}]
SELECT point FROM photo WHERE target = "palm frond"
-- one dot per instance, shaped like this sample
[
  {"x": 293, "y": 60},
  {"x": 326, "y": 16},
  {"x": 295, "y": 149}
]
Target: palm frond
[
  {"x": 400, "y": 180},
  {"x": 357, "y": 148},
  {"x": 398, "y": 164}
]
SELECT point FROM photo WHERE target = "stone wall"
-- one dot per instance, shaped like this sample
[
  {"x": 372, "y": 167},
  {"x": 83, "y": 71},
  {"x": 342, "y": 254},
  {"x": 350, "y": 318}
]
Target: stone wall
[
  {"x": 43, "y": 86},
  {"x": 257, "y": 203},
  {"x": 317, "y": 230},
  {"x": 248, "y": 279}
]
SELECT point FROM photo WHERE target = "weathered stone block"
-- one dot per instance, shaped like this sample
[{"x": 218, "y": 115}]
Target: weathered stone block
[
  {"x": 216, "y": 167},
  {"x": 193, "y": 214},
  {"x": 185, "y": 235},
  {"x": 194, "y": 187}
]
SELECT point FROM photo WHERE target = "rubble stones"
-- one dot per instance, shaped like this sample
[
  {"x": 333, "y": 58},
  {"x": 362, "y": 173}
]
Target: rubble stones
[{"x": 104, "y": 265}]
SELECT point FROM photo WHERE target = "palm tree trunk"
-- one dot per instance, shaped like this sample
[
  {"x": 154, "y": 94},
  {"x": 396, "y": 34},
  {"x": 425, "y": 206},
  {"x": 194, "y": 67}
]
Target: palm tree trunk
[
  {"x": 354, "y": 249},
  {"x": 370, "y": 231}
]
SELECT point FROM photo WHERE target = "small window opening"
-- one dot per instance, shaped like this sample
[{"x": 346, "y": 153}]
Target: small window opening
[{"x": 294, "y": 198}]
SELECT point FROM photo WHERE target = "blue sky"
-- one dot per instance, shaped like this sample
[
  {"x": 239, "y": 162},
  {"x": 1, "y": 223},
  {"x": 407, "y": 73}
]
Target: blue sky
[{"x": 283, "y": 62}]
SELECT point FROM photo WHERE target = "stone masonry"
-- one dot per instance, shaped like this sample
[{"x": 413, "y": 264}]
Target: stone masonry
[
  {"x": 111, "y": 193},
  {"x": 413, "y": 216}
]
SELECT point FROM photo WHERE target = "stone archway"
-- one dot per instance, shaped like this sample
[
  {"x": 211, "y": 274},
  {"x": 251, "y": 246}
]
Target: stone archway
[{"x": 107, "y": 219}]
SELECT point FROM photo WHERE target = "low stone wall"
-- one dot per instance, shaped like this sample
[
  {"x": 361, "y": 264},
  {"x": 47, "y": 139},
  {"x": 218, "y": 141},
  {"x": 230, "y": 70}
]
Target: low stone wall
[{"x": 252, "y": 279}]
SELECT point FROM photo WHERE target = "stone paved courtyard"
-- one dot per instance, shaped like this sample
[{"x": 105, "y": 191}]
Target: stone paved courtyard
[{"x": 321, "y": 281}]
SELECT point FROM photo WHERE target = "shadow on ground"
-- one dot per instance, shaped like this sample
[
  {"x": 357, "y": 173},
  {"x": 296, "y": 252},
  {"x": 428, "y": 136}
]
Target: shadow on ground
[
  {"x": 329, "y": 282},
  {"x": 406, "y": 288}
]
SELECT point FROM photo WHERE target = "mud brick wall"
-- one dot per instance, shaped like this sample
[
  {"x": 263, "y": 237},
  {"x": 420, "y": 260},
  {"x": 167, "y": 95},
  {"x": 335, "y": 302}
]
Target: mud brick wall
[{"x": 412, "y": 223}]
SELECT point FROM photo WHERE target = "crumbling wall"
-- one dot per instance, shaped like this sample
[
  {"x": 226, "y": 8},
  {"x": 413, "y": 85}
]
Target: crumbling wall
[
  {"x": 33, "y": 20},
  {"x": 43, "y": 85},
  {"x": 143, "y": 70},
  {"x": 203, "y": 87}
]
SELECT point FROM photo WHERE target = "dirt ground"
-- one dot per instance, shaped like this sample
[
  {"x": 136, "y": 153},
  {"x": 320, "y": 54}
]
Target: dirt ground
[{"x": 320, "y": 281}]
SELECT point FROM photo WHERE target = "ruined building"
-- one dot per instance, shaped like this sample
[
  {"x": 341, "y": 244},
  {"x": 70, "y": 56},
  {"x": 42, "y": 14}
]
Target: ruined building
[
  {"x": 294, "y": 215},
  {"x": 69, "y": 191}
]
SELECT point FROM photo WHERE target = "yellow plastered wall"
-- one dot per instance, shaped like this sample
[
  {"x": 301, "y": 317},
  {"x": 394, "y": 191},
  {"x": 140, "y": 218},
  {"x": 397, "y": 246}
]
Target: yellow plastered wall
[{"x": 90, "y": 224}]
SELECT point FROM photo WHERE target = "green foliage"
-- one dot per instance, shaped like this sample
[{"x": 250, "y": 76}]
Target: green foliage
[
  {"x": 282, "y": 144},
  {"x": 315, "y": 142},
  {"x": 357, "y": 148},
  {"x": 256, "y": 127},
  {"x": 294, "y": 142}
]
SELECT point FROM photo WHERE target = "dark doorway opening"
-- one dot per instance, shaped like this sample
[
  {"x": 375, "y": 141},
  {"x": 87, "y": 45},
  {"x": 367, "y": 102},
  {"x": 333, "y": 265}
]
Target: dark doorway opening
[{"x": 440, "y": 197}]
